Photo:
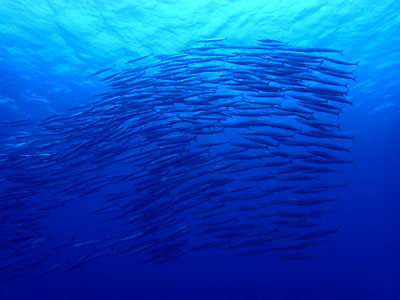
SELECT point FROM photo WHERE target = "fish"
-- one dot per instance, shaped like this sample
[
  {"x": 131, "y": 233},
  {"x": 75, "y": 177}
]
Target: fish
[
  {"x": 100, "y": 71},
  {"x": 212, "y": 40},
  {"x": 215, "y": 146},
  {"x": 137, "y": 59}
]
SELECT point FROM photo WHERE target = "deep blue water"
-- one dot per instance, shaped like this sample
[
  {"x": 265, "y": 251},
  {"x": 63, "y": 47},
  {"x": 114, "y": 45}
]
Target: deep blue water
[{"x": 49, "y": 49}]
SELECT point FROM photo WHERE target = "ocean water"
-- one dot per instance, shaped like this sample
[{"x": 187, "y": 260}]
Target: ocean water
[{"x": 49, "y": 49}]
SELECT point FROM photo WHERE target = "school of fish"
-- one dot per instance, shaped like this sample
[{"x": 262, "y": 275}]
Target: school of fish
[{"x": 219, "y": 146}]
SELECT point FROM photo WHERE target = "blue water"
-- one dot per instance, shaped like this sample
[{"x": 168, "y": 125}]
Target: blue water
[{"x": 49, "y": 48}]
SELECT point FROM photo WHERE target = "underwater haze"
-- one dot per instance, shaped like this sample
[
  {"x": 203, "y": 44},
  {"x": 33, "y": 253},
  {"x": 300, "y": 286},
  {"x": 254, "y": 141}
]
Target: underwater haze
[{"x": 199, "y": 149}]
